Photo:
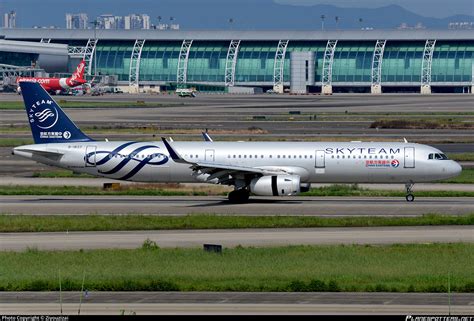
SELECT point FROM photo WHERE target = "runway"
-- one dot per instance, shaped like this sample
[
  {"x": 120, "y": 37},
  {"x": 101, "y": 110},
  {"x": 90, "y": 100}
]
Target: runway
[
  {"x": 185, "y": 205},
  {"x": 234, "y": 237},
  {"x": 236, "y": 303}
]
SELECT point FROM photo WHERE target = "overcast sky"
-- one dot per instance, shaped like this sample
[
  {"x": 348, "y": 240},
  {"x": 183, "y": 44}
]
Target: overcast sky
[{"x": 430, "y": 8}]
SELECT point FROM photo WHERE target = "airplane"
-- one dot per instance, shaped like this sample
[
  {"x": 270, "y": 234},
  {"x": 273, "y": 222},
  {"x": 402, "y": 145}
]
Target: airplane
[
  {"x": 258, "y": 168},
  {"x": 54, "y": 85}
]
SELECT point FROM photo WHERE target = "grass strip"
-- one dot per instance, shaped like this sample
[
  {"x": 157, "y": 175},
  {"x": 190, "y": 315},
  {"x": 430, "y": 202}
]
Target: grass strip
[
  {"x": 424, "y": 123},
  {"x": 58, "y": 223},
  {"x": 12, "y": 105},
  {"x": 149, "y": 190},
  {"x": 461, "y": 157},
  {"x": 394, "y": 268}
]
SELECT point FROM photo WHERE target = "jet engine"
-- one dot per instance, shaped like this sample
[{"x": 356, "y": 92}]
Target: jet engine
[{"x": 276, "y": 185}]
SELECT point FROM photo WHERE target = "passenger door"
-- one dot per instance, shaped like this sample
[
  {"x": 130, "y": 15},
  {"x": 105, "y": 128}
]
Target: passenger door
[{"x": 409, "y": 157}]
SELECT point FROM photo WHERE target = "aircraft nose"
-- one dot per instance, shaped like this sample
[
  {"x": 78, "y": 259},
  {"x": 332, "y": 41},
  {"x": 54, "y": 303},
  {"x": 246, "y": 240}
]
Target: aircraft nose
[{"x": 455, "y": 169}]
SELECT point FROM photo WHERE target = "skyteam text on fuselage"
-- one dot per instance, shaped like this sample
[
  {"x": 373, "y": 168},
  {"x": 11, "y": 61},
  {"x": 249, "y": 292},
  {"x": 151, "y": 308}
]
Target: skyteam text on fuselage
[{"x": 258, "y": 168}]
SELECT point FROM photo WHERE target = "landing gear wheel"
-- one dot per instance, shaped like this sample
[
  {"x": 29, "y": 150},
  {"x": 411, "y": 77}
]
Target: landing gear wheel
[
  {"x": 409, "y": 188},
  {"x": 238, "y": 196}
]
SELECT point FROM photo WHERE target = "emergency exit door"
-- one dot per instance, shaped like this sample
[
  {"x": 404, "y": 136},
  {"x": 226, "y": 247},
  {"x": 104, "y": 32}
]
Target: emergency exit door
[
  {"x": 209, "y": 155},
  {"x": 320, "y": 159}
]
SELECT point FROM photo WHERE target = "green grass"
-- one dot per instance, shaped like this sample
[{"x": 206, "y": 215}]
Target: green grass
[
  {"x": 64, "y": 103},
  {"x": 146, "y": 190},
  {"x": 466, "y": 177},
  {"x": 13, "y": 142},
  {"x": 87, "y": 190},
  {"x": 57, "y": 223},
  {"x": 461, "y": 157},
  {"x": 424, "y": 123},
  {"x": 395, "y": 268},
  {"x": 61, "y": 174}
]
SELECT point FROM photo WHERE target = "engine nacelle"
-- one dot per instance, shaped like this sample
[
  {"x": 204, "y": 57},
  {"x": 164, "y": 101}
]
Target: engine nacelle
[{"x": 277, "y": 185}]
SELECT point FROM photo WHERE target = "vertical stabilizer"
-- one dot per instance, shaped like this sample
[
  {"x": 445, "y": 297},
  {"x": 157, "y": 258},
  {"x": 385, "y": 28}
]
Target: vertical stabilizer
[{"x": 48, "y": 122}]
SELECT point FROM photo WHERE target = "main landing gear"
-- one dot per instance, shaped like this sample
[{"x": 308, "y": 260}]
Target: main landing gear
[
  {"x": 239, "y": 196},
  {"x": 409, "y": 197}
]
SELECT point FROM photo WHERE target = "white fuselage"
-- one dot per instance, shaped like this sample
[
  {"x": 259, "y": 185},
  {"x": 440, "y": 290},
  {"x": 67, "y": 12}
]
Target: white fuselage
[{"x": 324, "y": 162}]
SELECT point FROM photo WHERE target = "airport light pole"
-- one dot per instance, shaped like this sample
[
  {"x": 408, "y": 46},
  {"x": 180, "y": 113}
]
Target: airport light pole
[
  {"x": 337, "y": 22},
  {"x": 322, "y": 22}
]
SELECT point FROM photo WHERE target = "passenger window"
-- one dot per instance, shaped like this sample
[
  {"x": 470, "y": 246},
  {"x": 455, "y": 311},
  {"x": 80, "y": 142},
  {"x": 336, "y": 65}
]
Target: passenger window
[
  {"x": 360, "y": 156},
  {"x": 332, "y": 156},
  {"x": 337, "y": 156},
  {"x": 284, "y": 156},
  {"x": 270, "y": 156},
  {"x": 305, "y": 156}
]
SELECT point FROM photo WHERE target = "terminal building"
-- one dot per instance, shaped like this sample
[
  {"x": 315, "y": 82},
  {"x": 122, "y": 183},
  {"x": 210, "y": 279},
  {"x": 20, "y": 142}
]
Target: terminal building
[{"x": 362, "y": 61}]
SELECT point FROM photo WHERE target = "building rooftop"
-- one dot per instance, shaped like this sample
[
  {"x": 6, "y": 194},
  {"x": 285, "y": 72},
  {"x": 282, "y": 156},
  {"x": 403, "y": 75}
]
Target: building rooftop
[{"x": 81, "y": 34}]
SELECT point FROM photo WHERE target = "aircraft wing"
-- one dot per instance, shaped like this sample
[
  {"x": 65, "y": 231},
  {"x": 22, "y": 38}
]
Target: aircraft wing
[{"x": 223, "y": 173}]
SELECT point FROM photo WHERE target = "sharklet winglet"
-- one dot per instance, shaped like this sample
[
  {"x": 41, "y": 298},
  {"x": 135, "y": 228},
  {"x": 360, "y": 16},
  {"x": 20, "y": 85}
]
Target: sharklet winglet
[{"x": 173, "y": 154}]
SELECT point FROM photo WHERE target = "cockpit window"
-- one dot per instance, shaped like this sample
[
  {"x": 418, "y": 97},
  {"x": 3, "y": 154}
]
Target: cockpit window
[{"x": 438, "y": 156}]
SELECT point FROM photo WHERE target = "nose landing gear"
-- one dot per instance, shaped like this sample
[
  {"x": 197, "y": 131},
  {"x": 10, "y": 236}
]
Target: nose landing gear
[{"x": 409, "y": 197}]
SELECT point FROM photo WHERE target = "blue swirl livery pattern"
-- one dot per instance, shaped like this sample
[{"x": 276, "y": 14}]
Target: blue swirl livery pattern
[{"x": 125, "y": 159}]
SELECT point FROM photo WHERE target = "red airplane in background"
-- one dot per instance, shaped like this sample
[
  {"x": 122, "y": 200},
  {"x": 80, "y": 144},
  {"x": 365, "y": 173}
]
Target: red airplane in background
[{"x": 53, "y": 85}]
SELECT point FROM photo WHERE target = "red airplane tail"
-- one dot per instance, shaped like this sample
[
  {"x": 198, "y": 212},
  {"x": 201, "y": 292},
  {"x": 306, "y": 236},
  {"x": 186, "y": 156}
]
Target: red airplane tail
[{"x": 79, "y": 73}]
